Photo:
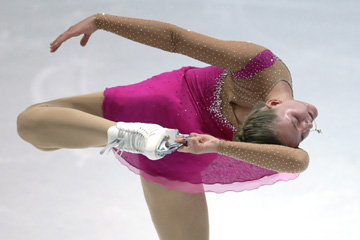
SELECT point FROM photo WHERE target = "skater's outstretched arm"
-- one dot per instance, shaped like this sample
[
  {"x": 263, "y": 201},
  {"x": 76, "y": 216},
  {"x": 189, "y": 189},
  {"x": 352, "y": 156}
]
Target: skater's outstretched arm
[{"x": 229, "y": 55}]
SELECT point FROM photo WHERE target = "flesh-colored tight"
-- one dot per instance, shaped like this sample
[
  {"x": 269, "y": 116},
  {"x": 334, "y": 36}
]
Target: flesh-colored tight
[{"x": 77, "y": 122}]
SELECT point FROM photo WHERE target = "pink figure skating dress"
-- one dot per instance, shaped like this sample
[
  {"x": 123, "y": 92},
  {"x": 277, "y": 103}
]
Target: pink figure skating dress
[{"x": 198, "y": 100}]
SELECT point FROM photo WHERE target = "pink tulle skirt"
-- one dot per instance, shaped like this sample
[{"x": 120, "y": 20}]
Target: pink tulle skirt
[{"x": 187, "y": 99}]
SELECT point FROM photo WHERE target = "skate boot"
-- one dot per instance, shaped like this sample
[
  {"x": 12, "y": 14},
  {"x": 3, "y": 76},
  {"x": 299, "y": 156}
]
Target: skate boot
[{"x": 151, "y": 140}]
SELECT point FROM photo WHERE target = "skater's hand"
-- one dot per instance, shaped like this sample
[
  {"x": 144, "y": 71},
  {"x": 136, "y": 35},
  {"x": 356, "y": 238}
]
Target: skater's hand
[
  {"x": 86, "y": 27},
  {"x": 199, "y": 144}
]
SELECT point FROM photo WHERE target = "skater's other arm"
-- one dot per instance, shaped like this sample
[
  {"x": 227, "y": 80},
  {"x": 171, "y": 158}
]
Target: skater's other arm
[{"x": 273, "y": 157}]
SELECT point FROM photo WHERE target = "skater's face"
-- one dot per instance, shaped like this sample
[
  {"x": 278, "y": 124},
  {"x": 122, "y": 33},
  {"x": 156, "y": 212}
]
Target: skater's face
[{"x": 295, "y": 120}]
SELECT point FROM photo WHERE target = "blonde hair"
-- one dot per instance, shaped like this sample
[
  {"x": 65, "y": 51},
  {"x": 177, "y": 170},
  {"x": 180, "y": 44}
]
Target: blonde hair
[{"x": 258, "y": 126}]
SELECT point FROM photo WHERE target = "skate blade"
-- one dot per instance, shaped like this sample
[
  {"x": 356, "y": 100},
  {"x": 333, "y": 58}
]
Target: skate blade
[{"x": 168, "y": 144}]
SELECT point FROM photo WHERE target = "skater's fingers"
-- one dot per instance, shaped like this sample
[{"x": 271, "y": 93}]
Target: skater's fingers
[
  {"x": 193, "y": 134},
  {"x": 184, "y": 148},
  {"x": 179, "y": 139},
  {"x": 192, "y": 145}
]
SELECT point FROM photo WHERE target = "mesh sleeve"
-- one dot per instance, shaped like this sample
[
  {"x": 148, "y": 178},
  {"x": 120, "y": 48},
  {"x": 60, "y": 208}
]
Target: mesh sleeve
[{"x": 273, "y": 157}]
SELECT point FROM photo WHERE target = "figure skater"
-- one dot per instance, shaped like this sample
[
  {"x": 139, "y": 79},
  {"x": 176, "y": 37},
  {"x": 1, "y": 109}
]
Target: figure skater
[{"x": 244, "y": 125}]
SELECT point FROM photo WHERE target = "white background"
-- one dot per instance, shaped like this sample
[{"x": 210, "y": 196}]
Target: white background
[{"x": 78, "y": 194}]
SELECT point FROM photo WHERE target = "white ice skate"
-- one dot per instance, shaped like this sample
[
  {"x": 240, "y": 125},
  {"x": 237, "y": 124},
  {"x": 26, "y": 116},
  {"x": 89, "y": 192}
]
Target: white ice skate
[{"x": 151, "y": 140}]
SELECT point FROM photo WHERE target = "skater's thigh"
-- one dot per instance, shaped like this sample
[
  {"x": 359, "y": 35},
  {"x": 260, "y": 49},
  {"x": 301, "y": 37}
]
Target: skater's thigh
[
  {"x": 90, "y": 103},
  {"x": 175, "y": 214}
]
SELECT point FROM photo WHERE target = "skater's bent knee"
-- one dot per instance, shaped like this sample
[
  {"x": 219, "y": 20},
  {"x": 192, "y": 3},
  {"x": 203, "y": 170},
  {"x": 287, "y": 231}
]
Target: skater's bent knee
[
  {"x": 27, "y": 123},
  {"x": 22, "y": 124},
  {"x": 27, "y": 127}
]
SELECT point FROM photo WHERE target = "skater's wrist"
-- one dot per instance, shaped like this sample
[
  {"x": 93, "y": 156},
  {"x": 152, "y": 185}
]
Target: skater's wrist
[
  {"x": 217, "y": 143},
  {"x": 220, "y": 147}
]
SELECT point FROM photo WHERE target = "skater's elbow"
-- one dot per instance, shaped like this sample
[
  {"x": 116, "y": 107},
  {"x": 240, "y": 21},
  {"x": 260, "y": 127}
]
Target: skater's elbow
[{"x": 299, "y": 164}]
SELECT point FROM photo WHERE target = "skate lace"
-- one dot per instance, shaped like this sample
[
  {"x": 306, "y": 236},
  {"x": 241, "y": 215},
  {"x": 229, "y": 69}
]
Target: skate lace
[{"x": 128, "y": 140}]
